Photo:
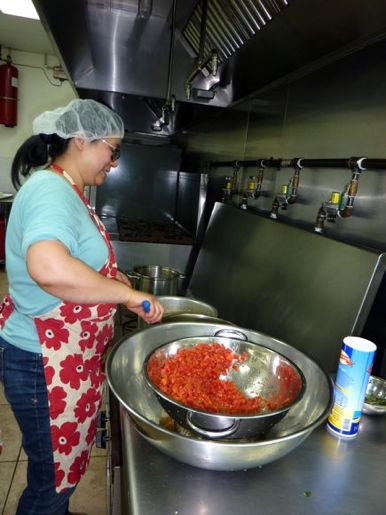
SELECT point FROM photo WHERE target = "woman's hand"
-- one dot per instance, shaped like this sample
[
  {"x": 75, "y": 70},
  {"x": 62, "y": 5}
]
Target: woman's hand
[{"x": 135, "y": 304}]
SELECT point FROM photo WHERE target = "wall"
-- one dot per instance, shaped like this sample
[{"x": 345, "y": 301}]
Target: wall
[
  {"x": 336, "y": 112},
  {"x": 38, "y": 91}
]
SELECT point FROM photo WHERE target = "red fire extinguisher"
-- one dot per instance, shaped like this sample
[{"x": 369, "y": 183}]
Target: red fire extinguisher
[{"x": 8, "y": 93}]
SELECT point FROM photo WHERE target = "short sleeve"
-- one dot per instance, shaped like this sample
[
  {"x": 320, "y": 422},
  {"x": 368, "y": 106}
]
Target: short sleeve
[{"x": 49, "y": 211}]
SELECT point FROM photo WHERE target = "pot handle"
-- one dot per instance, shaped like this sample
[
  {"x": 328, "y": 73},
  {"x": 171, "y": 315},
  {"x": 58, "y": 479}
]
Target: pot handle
[
  {"x": 231, "y": 333},
  {"x": 133, "y": 276},
  {"x": 212, "y": 434}
]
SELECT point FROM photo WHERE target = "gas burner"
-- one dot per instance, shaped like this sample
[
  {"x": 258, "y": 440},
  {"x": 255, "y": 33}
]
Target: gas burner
[
  {"x": 126, "y": 322},
  {"x": 153, "y": 232}
]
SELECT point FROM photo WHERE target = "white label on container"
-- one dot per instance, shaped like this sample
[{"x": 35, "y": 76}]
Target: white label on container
[{"x": 14, "y": 82}]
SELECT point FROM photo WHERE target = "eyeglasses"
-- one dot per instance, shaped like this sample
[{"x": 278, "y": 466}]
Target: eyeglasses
[{"x": 116, "y": 151}]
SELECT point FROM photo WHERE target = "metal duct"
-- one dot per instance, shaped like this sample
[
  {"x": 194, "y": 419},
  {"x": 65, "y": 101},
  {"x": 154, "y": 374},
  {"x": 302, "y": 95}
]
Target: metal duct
[
  {"x": 121, "y": 47},
  {"x": 230, "y": 24}
]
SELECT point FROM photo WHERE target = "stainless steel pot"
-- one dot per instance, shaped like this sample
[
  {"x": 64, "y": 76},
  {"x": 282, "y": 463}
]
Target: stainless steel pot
[
  {"x": 156, "y": 279},
  {"x": 126, "y": 380}
]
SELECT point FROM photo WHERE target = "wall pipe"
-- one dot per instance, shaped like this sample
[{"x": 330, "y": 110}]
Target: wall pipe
[{"x": 366, "y": 163}]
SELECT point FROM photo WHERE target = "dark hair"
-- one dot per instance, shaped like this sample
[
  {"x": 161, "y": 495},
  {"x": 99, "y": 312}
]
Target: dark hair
[{"x": 36, "y": 151}]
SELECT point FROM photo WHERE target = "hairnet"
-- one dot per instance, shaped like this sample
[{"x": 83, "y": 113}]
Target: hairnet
[{"x": 85, "y": 119}]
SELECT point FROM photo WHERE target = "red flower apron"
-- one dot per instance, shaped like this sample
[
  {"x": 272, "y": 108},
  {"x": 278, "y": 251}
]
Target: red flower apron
[{"x": 74, "y": 338}]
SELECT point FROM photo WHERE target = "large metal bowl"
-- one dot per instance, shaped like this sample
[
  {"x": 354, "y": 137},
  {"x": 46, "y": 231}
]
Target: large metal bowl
[
  {"x": 177, "y": 307},
  {"x": 264, "y": 373},
  {"x": 124, "y": 369},
  {"x": 183, "y": 305}
]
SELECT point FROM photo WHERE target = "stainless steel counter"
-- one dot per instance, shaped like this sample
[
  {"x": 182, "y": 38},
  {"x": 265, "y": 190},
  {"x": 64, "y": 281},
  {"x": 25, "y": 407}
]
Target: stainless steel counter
[{"x": 324, "y": 475}]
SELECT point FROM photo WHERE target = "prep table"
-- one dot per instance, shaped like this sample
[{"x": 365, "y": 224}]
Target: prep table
[{"x": 324, "y": 475}]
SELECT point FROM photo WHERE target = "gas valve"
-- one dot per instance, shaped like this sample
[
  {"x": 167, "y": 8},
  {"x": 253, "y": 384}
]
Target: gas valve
[{"x": 332, "y": 206}]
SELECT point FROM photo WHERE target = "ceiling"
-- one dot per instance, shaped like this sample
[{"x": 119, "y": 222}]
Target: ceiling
[{"x": 23, "y": 34}]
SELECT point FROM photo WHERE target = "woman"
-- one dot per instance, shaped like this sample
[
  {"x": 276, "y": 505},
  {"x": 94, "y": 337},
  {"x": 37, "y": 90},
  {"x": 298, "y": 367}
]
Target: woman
[{"x": 64, "y": 285}]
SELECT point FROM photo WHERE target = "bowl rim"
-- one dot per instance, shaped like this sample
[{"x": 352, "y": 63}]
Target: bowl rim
[{"x": 241, "y": 416}]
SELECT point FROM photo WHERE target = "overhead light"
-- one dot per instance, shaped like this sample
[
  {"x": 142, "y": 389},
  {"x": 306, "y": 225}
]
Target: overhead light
[{"x": 23, "y": 8}]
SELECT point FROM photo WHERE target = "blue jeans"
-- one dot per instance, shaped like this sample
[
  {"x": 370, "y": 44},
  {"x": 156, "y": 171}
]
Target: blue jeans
[{"x": 25, "y": 389}]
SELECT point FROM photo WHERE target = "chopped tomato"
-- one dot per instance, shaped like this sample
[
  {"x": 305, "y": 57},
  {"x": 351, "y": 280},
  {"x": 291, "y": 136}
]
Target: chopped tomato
[{"x": 194, "y": 376}]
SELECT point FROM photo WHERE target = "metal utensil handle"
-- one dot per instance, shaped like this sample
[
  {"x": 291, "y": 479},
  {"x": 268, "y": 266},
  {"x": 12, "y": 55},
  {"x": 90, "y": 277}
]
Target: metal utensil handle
[
  {"x": 133, "y": 277},
  {"x": 212, "y": 434},
  {"x": 146, "y": 306},
  {"x": 231, "y": 333}
]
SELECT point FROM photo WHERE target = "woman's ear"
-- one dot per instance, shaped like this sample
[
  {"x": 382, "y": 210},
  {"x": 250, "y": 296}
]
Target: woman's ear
[{"x": 79, "y": 143}]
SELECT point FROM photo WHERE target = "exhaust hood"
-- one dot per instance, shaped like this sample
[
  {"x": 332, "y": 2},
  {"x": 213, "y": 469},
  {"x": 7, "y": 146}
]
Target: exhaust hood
[{"x": 208, "y": 54}]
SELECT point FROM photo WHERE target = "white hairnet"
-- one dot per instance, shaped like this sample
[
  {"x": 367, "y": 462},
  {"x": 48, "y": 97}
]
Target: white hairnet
[{"x": 85, "y": 119}]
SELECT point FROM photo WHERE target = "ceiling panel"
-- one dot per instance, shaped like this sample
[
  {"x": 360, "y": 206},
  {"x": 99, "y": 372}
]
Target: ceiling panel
[{"x": 23, "y": 34}]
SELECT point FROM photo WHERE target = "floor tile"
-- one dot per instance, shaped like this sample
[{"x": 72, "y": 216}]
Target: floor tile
[
  {"x": 97, "y": 452},
  {"x": 90, "y": 495},
  {"x": 11, "y": 434},
  {"x": 3, "y": 283},
  {"x": 17, "y": 487},
  {"x": 6, "y": 474},
  {"x": 2, "y": 396}
]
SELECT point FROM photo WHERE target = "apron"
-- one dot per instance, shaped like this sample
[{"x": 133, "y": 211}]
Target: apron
[{"x": 74, "y": 338}]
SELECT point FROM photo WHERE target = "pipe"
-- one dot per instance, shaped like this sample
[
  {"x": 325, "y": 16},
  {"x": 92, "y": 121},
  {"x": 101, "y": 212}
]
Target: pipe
[
  {"x": 259, "y": 183},
  {"x": 274, "y": 209},
  {"x": 295, "y": 182},
  {"x": 266, "y": 163},
  {"x": 145, "y": 8},
  {"x": 366, "y": 163},
  {"x": 320, "y": 220},
  {"x": 204, "y": 17},
  {"x": 212, "y": 60},
  {"x": 171, "y": 48},
  {"x": 346, "y": 212}
]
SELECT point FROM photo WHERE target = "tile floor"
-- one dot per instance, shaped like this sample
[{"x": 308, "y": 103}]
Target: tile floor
[{"x": 89, "y": 497}]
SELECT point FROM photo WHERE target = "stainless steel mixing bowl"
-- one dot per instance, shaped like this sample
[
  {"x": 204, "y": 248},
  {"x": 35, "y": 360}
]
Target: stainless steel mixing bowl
[
  {"x": 264, "y": 373},
  {"x": 375, "y": 399},
  {"x": 176, "y": 308},
  {"x": 183, "y": 305},
  {"x": 124, "y": 369}
]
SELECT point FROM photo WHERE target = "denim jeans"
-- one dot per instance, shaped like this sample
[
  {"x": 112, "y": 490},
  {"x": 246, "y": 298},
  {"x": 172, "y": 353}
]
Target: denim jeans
[{"x": 25, "y": 389}]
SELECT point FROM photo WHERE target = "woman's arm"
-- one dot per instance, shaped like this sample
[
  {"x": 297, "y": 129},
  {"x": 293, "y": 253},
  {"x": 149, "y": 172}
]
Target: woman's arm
[{"x": 52, "y": 267}]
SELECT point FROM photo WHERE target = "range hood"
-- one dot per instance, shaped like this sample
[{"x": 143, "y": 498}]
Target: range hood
[{"x": 125, "y": 53}]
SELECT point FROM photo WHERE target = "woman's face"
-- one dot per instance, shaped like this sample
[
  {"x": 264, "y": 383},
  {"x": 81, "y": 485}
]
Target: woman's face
[{"x": 101, "y": 156}]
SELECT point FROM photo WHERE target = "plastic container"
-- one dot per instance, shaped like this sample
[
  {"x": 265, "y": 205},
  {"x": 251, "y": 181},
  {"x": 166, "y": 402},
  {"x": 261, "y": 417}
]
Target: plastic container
[{"x": 355, "y": 364}]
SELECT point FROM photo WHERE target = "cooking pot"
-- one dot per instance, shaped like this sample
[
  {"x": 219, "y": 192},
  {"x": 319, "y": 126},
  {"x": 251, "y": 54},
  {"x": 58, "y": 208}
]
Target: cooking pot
[
  {"x": 263, "y": 373},
  {"x": 124, "y": 371},
  {"x": 156, "y": 279}
]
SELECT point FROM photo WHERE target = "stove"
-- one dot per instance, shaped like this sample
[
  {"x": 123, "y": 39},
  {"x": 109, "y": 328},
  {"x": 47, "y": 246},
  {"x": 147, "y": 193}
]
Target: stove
[
  {"x": 109, "y": 434},
  {"x": 153, "y": 232}
]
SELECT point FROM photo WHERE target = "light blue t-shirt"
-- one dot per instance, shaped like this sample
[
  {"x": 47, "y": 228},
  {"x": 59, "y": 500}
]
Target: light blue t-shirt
[{"x": 45, "y": 208}]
